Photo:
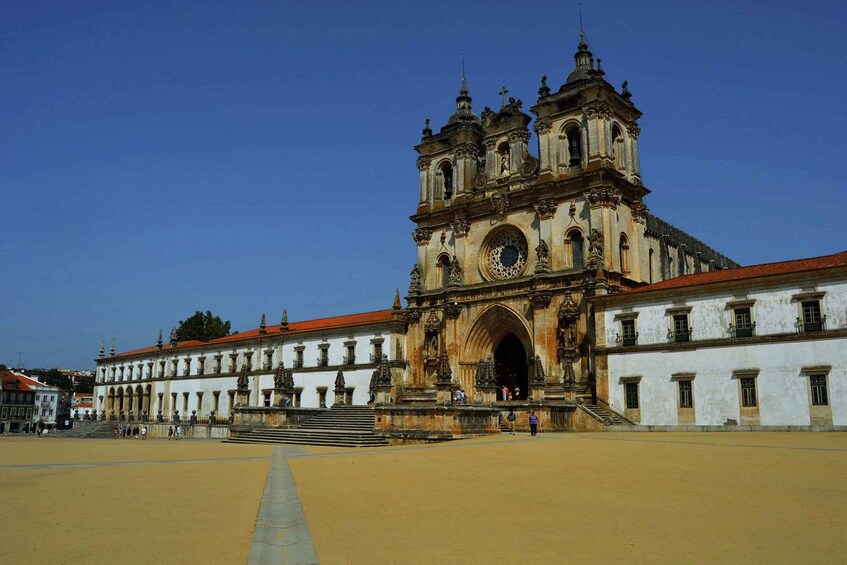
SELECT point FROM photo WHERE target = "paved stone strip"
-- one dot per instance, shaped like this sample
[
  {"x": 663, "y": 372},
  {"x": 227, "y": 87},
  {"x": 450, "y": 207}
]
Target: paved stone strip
[
  {"x": 281, "y": 534},
  {"x": 710, "y": 444},
  {"x": 128, "y": 463}
]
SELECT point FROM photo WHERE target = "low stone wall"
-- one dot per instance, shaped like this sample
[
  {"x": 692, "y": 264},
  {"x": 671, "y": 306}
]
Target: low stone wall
[
  {"x": 422, "y": 423},
  {"x": 187, "y": 431},
  {"x": 251, "y": 417}
]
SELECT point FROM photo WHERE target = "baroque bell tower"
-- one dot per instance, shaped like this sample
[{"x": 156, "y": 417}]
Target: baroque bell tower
[{"x": 509, "y": 243}]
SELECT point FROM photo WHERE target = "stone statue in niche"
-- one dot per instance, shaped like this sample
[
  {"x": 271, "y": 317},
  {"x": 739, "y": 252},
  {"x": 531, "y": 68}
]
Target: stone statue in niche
[
  {"x": 505, "y": 167},
  {"x": 431, "y": 349},
  {"x": 595, "y": 243},
  {"x": 617, "y": 150}
]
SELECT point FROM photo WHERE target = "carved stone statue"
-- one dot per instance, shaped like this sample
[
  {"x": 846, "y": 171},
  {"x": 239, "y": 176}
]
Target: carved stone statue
[
  {"x": 339, "y": 380},
  {"x": 595, "y": 243},
  {"x": 243, "y": 381},
  {"x": 543, "y": 252},
  {"x": 431, "y": 347},
  {"x": 505, "y": 167},
  {"x": 415, "y": 283},
  {"x": 455, "y": 273}
]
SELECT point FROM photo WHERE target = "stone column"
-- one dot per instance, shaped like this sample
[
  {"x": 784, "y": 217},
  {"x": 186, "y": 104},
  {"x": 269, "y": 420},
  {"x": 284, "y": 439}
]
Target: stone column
[
  {"x": 423, "y": 167},
  {"x": 545, "y": 152}
]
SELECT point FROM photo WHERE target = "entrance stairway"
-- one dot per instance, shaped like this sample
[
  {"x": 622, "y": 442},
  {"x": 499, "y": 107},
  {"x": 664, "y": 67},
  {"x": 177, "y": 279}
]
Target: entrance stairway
[
  {"x": 103, "y": 429},
  {"x": 340, "y": 426},
  {"x": 606, "y": 415}
]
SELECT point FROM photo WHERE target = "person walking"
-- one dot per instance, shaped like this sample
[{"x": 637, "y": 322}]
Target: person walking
[
  {"x": 170, "y": 433},
  {"x": 533, "y": 423},
  {"x": 143, "y": 433},
  {"x": 517, "y": 393},
  {"x": 505, "y": 391},
  {"x": 511, "y": 417},
  {"x": 178, "y": 432}
]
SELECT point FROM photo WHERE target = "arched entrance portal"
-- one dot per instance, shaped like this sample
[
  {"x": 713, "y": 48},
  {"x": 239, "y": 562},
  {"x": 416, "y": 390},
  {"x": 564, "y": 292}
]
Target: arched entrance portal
[{"x": 510, "y": 358}]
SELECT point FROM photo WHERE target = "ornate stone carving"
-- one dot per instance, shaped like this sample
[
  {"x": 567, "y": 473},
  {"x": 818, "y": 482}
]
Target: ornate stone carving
[
  {"x": 543, "y": 252},
  {"x": 634, "y": 130},
  {"x": 452, "y": 310},
  {"x": 279, "y": 376},
  {"x": 569, "y": 377},
  {"x": 604, "y": 196},
  {"x": 486, "y": 373},
  {"x": 598, "y": 109},
  {"x": 506, "y": 254},
  {"x": 542, "y": 126},
  {"x": 639, "y": 211},
  {"x": 540, "y": 299},
  {"x": 538, "y": 377},
  {"x": 243, "y": 381},
  {"x": 481, "y": 178},
  {"x": 567, "y": 337},
  {"x": 513, "y": 108},
  {"x": 500, "y": 202},
  {"x": 544, "y": 90},
  {"x": 443, "y": 373},
  {"x": 529, "y": 166},
  {"x": 595, "y": 250},
  {"x": 467, "y": 150},
  {"x": 382, "y": 374},
  {"x": 422, "y": 235},
  {"x": 433, "y": 324},
  {"x": 339, "y": 381},
  {"x": 520, "y": 135},
  {"x": 415, "y": 286},
  {"x": 545, "y": 208},
  {"x": 460, "y": 227},
  {"x": 412, "y": 315},
  {"x": 423, "y": 163},
  {"x": 455, "y": 273}
]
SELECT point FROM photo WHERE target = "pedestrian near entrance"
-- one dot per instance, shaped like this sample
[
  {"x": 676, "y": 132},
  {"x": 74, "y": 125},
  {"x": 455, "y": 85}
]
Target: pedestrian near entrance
[
  {"x": 170, "y": 433},
  {"x": 143, "y": 433},
  {"x": 517, "y": 393},
  {"x": 178, "y": 433},
  {"x": 505, "y": 391},
  {"x": 511, "y": 417},
  {"x": 533, "y": 423}
]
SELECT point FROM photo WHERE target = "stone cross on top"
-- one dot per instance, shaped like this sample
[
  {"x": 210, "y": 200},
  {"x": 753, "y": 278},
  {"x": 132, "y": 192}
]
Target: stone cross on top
[{"x": 503, "y": 92}]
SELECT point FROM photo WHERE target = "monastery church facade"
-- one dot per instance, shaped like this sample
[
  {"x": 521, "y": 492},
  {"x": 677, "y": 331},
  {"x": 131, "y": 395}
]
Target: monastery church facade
[{"x": 524, "y": 251}]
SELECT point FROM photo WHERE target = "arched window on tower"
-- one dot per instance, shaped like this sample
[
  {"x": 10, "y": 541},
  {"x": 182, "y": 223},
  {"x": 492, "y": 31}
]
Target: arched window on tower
[
  {"x": 623, "y": 253},
  {"x": 447, "y": 179},
  {"x": 577, "y": 248},
  {"x": 444, "y": 269},
  {"x": 574, "y": 147}
]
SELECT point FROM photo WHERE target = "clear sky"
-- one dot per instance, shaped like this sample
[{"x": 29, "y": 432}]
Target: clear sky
[{"x": 160, "y": 158}]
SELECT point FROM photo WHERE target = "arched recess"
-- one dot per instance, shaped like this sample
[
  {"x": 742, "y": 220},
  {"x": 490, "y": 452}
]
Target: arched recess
[
  {"x": 445, "y": 176},
  {"x": 443, "y": 269},
  {"x": 139, "y": 400},
  {"x": 491, "y": 326},
  {"x": 574, "y": 249}
]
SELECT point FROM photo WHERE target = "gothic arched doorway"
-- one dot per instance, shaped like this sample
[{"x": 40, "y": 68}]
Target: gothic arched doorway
[{"x": 511, "y": 360}]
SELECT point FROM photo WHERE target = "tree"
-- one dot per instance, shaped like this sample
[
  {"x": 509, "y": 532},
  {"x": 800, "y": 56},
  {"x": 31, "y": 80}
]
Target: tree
[
  {"x": 203, "y": 327},
  {"x": 55, "y": 377}
]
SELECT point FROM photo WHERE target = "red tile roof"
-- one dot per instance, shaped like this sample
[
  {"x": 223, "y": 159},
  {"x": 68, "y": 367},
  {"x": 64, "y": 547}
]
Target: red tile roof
[
  {"x": 334, "y": 323},
  {"x": 9, "y": 379},
  {"x": 743, "y": 273}
]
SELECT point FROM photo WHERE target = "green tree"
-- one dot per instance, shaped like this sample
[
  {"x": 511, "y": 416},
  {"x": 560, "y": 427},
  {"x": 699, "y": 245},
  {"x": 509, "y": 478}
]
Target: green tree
[
  {"x": 203, "y": 327},
  {"x": 55, "y": 377}
]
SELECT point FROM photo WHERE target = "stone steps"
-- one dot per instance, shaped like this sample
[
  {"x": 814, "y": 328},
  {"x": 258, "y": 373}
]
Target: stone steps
[
  {"x": 341, "y": 426},
  {"x": 104, "y": 429},
  {"x": 607, "y": 415}
]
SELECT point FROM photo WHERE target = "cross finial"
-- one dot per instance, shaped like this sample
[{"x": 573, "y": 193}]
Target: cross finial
[{"x": 503, "y": 92}]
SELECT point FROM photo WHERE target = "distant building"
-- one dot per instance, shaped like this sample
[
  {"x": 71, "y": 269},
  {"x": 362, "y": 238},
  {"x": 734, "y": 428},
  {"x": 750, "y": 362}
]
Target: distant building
[
  {"x": 82, "y": 405},
  {"x": 17, "y": 401}
]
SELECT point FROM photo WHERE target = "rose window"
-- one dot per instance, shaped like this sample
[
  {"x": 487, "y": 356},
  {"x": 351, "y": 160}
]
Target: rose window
[{"x": 506, "y": 255}]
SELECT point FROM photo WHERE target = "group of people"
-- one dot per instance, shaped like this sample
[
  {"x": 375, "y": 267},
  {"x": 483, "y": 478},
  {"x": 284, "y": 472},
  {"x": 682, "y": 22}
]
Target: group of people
[
  {"x": 460, "y": 397},
  {"x": 128, "y": 431},
  {"x": 509, "y": 395},
  {"x": 175, "y": 433},
  {"x": 533, "y": 422}
]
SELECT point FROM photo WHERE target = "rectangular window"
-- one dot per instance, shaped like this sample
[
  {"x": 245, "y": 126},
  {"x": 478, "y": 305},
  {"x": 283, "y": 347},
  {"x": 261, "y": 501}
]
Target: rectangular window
[
  {"x": 681, "y": 330},
  {"x": 686, "y": 400},
  {"x": 812, "y": 321},
  {"x": 377, "y": 352},
  {"x": 819, "y": 396},
  {"x": 631, "y": 393},
  {"x": 298, "y": 361},
  {"x": 267, "y": 398},
  {"x": 628, "y": 332},
  {"x": 351, "y": 355},
  {"x": 748, "y": 392},
  {"x": 743, "y": 322},
  {"x": 324, "y": 358},
  {"x": 4, "y": 413}
]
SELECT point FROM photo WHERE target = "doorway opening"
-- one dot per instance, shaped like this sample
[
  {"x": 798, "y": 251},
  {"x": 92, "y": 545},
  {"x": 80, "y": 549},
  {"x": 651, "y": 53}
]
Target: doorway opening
[{"x": 510, "y": 359}]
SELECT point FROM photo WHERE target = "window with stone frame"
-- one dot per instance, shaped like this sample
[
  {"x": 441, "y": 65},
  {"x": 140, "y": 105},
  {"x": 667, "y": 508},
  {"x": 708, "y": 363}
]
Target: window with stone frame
[
  {"x": 681, "y": 329},
  {"x": 298, "y": 357},
  {"x": 233, "y": 362},
  {"x": 377, "y": 354},
  {"x": 820, "y": 396},
  {"x": 269, "y": 355},
  {"x": 350, "y": 357},
  {"x": 629, "y": 336},
  {"x": 161, "y": 369},
  {"x": 446, "y": 171},
  {"x": 186, "y": 370},
  {"x": 744, "y": 325},
  {"x": 218, "y": 359},
  {"x": 748, "y": 392},
  {"x": 812, "y": 319},
  {"x": 686, "y": 393},
  {"x": 631, "y": 395},
  {"x": 577, "y": 249},
  {"x": 323, "y": 359}
]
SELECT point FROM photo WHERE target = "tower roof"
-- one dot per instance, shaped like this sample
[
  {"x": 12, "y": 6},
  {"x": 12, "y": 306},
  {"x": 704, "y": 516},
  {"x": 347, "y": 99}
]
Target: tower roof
[
  {"x": 584, "y": 69},
  {"x": 463, "y": 113}
]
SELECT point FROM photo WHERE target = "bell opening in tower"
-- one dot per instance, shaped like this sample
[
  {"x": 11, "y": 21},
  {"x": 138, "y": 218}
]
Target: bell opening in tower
[{"x": 511, "y": 362}]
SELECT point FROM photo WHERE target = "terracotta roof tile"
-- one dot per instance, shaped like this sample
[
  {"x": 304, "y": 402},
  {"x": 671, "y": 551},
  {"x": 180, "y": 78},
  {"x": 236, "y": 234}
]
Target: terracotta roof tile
[
  {"x": 743, "y": 273},
  {"x": 9, "y": 379},
  {"x": 333, "y": 323}
]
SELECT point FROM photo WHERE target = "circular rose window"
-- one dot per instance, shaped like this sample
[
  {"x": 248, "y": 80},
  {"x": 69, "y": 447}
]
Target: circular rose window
[{"x": 506, "y": 254}]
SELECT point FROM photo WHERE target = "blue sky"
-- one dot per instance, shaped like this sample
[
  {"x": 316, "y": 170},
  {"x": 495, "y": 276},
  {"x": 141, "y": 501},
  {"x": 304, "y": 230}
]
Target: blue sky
[{"x": 161, "y": 158}]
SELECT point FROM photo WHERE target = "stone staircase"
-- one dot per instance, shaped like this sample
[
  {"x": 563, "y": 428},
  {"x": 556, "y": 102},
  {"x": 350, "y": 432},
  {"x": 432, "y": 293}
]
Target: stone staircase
[
  {"x": 606, "y": 415},
  {"x": 340, "y": 426},
  {"x": 104, "y": 429}
]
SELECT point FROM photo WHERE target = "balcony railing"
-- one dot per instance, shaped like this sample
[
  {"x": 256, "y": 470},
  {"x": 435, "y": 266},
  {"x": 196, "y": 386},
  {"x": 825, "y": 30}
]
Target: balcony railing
[
  {"x": 349, "y": 359},
  {"x": 681, "y": 336},
  {"x": 627, "y": 340},
  {"x": 323, "y": 362},
  {"x": 811, "y": 326},
  {"x": 298, "y": 363},
  {"x": 745, "y": 330}
]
